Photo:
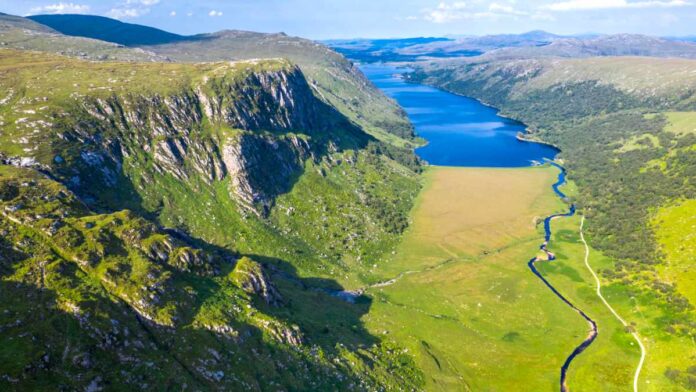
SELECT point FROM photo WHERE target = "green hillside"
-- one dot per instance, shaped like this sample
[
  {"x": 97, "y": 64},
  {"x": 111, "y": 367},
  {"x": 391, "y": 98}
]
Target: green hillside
[{"x": 167, "y": 216}]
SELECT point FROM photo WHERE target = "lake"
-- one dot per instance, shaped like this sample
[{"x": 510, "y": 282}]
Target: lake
[{"x": 460, "y": 131}]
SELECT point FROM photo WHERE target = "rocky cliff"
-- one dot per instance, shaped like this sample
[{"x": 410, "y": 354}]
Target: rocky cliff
[{"x": 141, "y": 204}]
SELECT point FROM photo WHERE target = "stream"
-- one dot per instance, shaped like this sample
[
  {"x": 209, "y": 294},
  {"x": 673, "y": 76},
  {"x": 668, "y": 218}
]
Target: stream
[{"x": 544, "y": 246}]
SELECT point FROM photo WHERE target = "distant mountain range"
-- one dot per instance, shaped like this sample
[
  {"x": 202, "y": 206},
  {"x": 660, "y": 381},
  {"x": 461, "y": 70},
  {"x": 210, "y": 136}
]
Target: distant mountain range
[
  {"x": 606, "y": 45},
  {"x": 530, "y": 44}
]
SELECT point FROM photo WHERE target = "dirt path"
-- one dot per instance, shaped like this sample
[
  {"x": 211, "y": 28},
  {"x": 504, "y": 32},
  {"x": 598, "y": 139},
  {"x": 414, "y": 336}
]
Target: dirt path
[{"x": 599, "y": 294}]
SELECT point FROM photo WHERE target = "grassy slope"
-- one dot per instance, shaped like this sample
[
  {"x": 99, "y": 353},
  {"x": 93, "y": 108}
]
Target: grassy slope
[
  {"x": 676, "y": 233},
  {"x": 466, "y": 303},
  {"x": 77, "y": 300},
  {"x": 22, "y": 33}
]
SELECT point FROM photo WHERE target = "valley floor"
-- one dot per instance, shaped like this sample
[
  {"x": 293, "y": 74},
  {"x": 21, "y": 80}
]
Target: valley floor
[{"x": 468, "y": 308}]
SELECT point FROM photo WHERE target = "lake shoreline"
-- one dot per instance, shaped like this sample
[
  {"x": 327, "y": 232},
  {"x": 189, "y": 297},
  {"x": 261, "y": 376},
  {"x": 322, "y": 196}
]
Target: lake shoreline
[{"x": 459, "y": 130}]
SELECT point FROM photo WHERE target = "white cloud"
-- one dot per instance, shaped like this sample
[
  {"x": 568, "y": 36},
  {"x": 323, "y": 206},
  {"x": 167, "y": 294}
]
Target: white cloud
[
  {"x": 143, "y": 2},
  {"x": 61, "y": 8},
  {"x": 173, "y": 13},
  {"x": 583, "y": 5},
  {"x": 506, "y": 9},
  {"x": 450, "y": 12},
  {"x": 189, "y": 14},
  {"x": 446, "y": 12},
  {"x": 125, "y": 13},
  {"x": 214, "y": 13},
  {"x": 131, "y": 8}
]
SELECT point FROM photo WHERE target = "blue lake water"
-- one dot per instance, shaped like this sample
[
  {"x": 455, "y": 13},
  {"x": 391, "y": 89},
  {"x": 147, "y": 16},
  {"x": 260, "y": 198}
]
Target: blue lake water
[{"x": 460, "y": 131}]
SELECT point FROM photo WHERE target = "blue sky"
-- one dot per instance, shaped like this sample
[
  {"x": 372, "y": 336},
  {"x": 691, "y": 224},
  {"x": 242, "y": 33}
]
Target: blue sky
[{"x": 319, "y": 19}]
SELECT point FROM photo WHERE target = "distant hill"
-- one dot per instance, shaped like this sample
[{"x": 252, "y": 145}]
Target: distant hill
[
  {"x": 413, "y": 49},
  {"x": 106, "y": 29},
  {"x": 510, "y": 46},
  {"x": 606, "y": 45},
  {"x": 375, "y": 50},
  {"x": 12, "y": 21},
  {"x": 25, "y": 34},
  {"x": 484, "y": 43}
]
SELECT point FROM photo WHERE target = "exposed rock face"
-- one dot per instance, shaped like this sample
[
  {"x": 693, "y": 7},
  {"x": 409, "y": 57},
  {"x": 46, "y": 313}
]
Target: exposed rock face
[
  {"x": 188, "y": 134},
  {"x": 262, "y": 167},
  {"x": 273, "y": 101},
  {"x": 250, "y": 276}
]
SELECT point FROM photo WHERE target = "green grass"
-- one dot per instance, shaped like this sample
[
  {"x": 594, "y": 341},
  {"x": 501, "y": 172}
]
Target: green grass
[
  {"x": 624, "y": 125},
  {"x": 675, "y": 228},
  {"x": 466, "y": 303},
  {"x": 474, "y": 316},
  {"x": 681, "y": 123}
]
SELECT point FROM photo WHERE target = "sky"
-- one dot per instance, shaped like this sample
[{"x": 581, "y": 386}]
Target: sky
[{"x": 330, "y": 19}]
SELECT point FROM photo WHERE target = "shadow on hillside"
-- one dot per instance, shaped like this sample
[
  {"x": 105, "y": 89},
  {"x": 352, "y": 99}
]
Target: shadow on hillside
[
  {"x": 52, "y": 346},
  {"x": 313, "y": 304}
]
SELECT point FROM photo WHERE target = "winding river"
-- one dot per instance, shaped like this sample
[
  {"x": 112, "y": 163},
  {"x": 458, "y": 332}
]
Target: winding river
[
  {"x": 461, "y": 131},
  {"x": 550, "y": 256}
]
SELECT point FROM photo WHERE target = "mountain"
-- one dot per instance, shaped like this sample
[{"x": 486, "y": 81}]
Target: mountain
[
  {"x": 336, "y": 79},
  {"x": 606, "y": 45},
  {"x": 413, "y": 49},
  {"x": 376, "y": 50},
  {"x": 106, "y": 29},
  {"x": 483, "y": 44},
  {"x": 17, "y": 22},
  {"x": 194, "y": 224},
  {"x": 22, "y": 33},
  {"x": 533, "y": 44}
]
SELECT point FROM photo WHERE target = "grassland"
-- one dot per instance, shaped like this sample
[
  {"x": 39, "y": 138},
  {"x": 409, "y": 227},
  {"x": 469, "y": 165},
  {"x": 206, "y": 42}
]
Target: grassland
[
  {"x": 675, "y": 226},
  {"x": 468, "y": 308}
]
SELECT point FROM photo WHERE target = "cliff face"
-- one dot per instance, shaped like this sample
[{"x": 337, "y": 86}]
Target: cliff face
[{"x": 244, "y": 128}]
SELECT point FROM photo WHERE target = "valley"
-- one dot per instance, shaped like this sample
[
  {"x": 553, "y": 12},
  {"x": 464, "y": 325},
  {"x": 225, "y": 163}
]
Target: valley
[{"x": 237, "y": 210}]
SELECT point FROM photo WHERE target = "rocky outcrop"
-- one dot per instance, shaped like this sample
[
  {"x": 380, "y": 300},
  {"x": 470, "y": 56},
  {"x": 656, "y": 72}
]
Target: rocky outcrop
[
  {"x": 262, "y": 167},
  {"x": 250, "y": 277}
]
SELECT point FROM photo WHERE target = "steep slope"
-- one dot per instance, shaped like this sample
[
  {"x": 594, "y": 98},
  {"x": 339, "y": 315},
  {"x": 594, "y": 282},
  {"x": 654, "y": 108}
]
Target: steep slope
[
  {"x": 612, "y": 119},
  {"x": 339, "y": 83},
  {"x": 174, "y": 207}
]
